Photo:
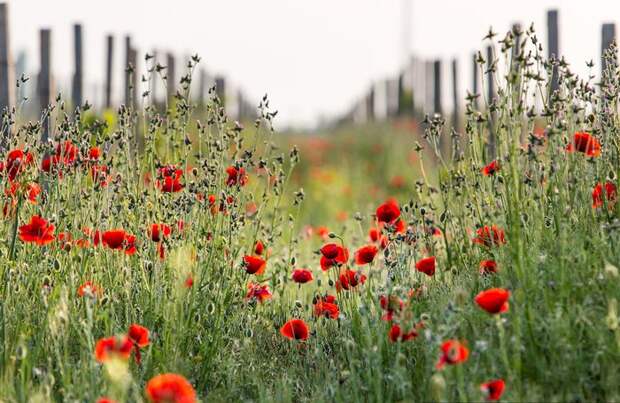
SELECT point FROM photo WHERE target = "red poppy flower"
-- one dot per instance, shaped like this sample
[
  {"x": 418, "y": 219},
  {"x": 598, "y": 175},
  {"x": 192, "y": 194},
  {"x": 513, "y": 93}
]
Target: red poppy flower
[
  {"x": 258, "y": 292},
  {"x": 89, "y": 289},
  {"x": 395, "y": 334},
  {"x": 493, "y": 390},
  {"x": 326, "y": 306},
  {"x": 139, "y": 336},
  {"x": 38, "y": 231},
  {"x": 170, "y": 388},
  {"x": 388, "y": 212},
  {"x": 105, "y": 400},
  {"x": 236, "y": 176},
  {"x": 490, "y": 236},
  {"x": 491, "y": 168},
  {"x": 94, "y": 153},
  {"x": 170, "y": 179},
  {"x": 159, "y": 232},
  {"x": 322, "y": 232},
  {"x": 391, "y": 304},
  {"x": 333, "y": 255},
  {"x": 33, "y": 190},
  {"x": 118, "y": 239},
  {"x": 585, "y": 143},
  {"x": 259, "y": 248},
  {"x": 302, "y": 276},
  {"x": 16, "y": 162},
  {"x": 488, "y": 267},
  {"x": 374, "y": 234},
  {"x": 365, "y": 254},
  {"x": 110, "y": 347},
  {"x": 295, "y": 329},
  {"x": 452, "y": 352},
  {"x": 426, "y": 265},
  {"x": 349, "y": 279},
  {"x": 254, "y": 264},
  {"x": 610, "y": 191},
  {"x": 494, "y": 300},
  {"x": 67, "y": 152},
  {"x": 99, "y": 174}
]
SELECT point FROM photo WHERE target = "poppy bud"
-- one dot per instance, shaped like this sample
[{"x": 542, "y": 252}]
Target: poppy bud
[
  {"x": 298, "y": 304},
  {"x": 331, "y": 235}
]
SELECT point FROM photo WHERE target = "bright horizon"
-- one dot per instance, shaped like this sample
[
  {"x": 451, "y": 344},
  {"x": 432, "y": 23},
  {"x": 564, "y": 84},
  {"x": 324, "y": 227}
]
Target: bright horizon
[{"x": 312, "y": 58}]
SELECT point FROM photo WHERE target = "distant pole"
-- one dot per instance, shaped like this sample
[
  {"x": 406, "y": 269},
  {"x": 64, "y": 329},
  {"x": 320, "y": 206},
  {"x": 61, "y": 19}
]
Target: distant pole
[
  {"x": 608, "y": 36},
  {"x": 475, "y": 80},
  {"x": 401, "y": 106},
  {"x": 154, "y": 93},
  {"x": 220, "y": 89},
  {"x": 455, "y": 95},
  {"x": 170, "y": 76},
  {"x": 553, "y": 46},
  {"x": 108, "y": 71},
  {"x": 127, "y": 71},
  {"x": 202, "y": 86},
  {"x": 133, "y": 62},
  {"x": 428, "y": 86},
  {"x": 7, "y": 75},
  {"x": 437, "y": 107},
  {"x": 78, "y": 80},
  {"x": 370, "y": 104},
  {"x": 44, "y": 85},
  {"x": 490, "y": 96},
  {"x": 516, "y": 33}
]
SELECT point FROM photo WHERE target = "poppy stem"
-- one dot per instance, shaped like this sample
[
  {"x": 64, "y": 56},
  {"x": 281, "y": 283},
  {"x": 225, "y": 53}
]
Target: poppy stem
[{"x": 14, "y": 230}]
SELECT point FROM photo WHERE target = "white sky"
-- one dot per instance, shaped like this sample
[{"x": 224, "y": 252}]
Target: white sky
[{"x": 313, "y": 57}]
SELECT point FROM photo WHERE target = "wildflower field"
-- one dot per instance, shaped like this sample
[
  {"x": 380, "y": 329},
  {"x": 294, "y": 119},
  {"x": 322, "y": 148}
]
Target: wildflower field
[{"x": 173, "y": 255}]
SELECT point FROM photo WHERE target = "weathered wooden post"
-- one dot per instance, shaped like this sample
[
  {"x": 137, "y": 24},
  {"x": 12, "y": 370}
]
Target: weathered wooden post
[
  {"x": 78, "y": 80},
  {"x": 44, "y": 82},
  {"x": 475, "y": 81},
  {"x": 370, "y": 104},
  {"x": 202, "y": 86},
  {"x": 455, "y": 95},
  {"x": 429, "y": 80},
  {"x": 400, "y": 95},
  {"x": 608, "y": 36},
  {"x": 134, "y": 77},
  {"x": 127, "y": 70},
  {"x": 437, "y": 106},
  {"x": 108, "y": 71},
  {"x": 553, "y": 45},
  {"x": 7, "y": 76},
  {"x": 170, "y": 77},
  {"x": 220, "y": 90},
  {"x": 490, "y": 100}
]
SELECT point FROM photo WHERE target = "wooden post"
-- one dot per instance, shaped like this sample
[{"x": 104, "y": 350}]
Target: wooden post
[
  {"x": 553, "y": 46},
  {"x": 400, "y": 95},
  {"x": 455, "y": 96},
  {"x": 475, "y": 82},
  {"x": 516, "y": 33},
  {"x": 437, "y": 107},
  {"x": 370, "y": 104},
  {"x": 133, "y": 62},
  {"x": 220, "y": 89},
  {"x": 490, "y": 97},
  {"x": 127, "y": 71},
  {"x": 608, "y": 36},
  {"x": 202, "y": 87},
  {"x": 428, "y": 90},
  {"x": 7, "y": 75},
  {"x": 170, "y": 77},
  {"x": 76, "y": 87},
  {"x": 44, "y": 82},
  {"x": 108, "y": 71}
]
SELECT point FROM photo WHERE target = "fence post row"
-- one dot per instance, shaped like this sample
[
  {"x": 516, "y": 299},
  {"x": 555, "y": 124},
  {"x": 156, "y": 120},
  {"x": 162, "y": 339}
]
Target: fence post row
[
  {"x": 7, "y": 78},
  {"x": 44, "y": 83},
  {"x": 78, "y": 79}
]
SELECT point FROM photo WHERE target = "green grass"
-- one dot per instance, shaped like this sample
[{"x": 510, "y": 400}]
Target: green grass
[{"x": 559, "y": 341}]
